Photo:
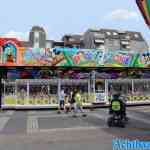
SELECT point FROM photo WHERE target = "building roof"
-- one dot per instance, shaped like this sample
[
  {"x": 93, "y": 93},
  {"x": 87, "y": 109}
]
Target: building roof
[
  {"x": 120, "y": 34},
  {"x": 26, "y": 43},
  {"x": 37, "y": 28},
  {"x": 73, "y": 36}
]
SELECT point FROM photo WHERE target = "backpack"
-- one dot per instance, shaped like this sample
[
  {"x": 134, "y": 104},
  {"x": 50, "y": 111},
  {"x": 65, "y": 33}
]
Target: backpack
[{"x": 116, "y": 105}]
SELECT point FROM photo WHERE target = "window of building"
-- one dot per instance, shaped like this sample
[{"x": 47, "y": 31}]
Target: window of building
[
  {"x": 125, "y": 42},
  {"x": 128, "y": 47},
  {"x": 72, "y": 40},
  {"x": 100, "y": 45},
  {"x": 127, "y": 37},
  {"x": 112, "y": 42},
  {"x": 136, "y": 35},
  {"x": 108, "y": 33},
  {"x": 124, "y": 46},
  {"x": 99, "y": 41},
  {"x": 115, "y": 33},
  {"x": 98, "y": 35}
]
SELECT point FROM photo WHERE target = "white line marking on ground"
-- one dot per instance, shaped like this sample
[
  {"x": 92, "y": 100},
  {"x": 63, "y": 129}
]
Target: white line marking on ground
[
  {"x": 3, "y": 122},
  {"x": 32, "y": 124},
  {"x": 72, "y": 129}
]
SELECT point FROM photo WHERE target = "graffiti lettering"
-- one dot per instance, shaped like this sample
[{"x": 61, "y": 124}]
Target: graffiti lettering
[{"x": 122, "y": 59}]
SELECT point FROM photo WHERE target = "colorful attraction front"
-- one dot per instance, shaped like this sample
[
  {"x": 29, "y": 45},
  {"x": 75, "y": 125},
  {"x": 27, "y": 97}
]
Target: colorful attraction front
[{"x": 13, "y": 54}]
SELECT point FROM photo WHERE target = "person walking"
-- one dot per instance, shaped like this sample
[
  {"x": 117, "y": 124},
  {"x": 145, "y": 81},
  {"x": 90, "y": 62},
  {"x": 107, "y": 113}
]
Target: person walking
[
  {"x": 72, "y": 100},
  {"x": 78, "y": 104},
  {"x": 61, "y": 101},
  {"x": 66, "y": 101}
]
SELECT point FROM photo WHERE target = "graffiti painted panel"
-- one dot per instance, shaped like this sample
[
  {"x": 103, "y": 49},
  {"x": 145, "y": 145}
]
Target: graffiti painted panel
[
  {"x": 119, "y": 59},
  {"x": 79, "y": 57},
  {"x": 12, "y": 54},
  {"x": 37, "y": 56},
  {"x": 63, "y": 57}
]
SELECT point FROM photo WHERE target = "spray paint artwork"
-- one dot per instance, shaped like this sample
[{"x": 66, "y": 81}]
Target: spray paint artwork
[
  {"x": 74, "y": 57},
  {"x": 14, "y": 55},
  {"x": 79, "y": 57},
  {"x": 36, "y": 56},
  {"x": 119, "y": 59},
  {"x": 63, "y": 57}
]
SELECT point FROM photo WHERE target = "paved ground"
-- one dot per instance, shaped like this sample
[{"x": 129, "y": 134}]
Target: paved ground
[{"x": 47, "y": 130}]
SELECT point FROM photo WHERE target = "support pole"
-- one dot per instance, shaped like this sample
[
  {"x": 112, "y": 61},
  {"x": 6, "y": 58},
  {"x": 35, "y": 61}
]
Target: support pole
[
  {"x": 89, "y": 90},
  {"x": 1, "y": 92},
  {"x": 132, "y": 86},
  {"x": 59, "y": 88},
  {"x": 15, "y": 89},
  {"x": 48, "y": 89},
  {"x": 93, "y": 81},
  {"x": 106, "y": 91},
  {"x": 28, "y": 90},
  {"x": 4, "y": 89},
  {"x": 3, "y": 76}
]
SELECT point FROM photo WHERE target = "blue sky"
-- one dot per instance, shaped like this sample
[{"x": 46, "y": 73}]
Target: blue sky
[{"x": 59, "y": 17}]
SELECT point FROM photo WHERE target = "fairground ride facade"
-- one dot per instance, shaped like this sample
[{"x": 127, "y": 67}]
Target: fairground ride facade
[{"x": 34, "y": 77}]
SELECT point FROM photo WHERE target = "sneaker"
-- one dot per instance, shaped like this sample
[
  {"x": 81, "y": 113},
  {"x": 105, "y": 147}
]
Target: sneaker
[
  {"x": 66, "y": 112},
  {"x": 58, "y": 112},
  {"x": 84, "y": 115},
  {"x": 75, "y": 116}
]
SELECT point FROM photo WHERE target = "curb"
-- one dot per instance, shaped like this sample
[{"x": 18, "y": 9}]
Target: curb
[{"x": 94, "y": 106}]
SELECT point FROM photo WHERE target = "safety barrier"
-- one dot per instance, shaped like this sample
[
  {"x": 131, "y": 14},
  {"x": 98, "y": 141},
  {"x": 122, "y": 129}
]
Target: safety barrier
[
  {"x": 136, "y": 98},
  {"x": 139, "y": 98},
  {"x": 11, "y": 100}
]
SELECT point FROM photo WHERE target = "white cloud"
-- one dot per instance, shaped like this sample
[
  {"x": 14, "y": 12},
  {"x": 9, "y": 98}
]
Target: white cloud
[
  {"x": 122, "y": 14},
  {"x": 23, "y": 36}
]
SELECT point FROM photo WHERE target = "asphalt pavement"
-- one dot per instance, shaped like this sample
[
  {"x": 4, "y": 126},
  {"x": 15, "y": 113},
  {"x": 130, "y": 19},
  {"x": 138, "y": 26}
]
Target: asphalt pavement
[{"x": 47, "y": 130}]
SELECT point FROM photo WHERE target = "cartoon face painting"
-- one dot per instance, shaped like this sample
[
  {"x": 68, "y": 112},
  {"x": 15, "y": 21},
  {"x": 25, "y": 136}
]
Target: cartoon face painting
[
  {"x": 10, "y": 58},
  {"x": 9, "y": 53}
]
